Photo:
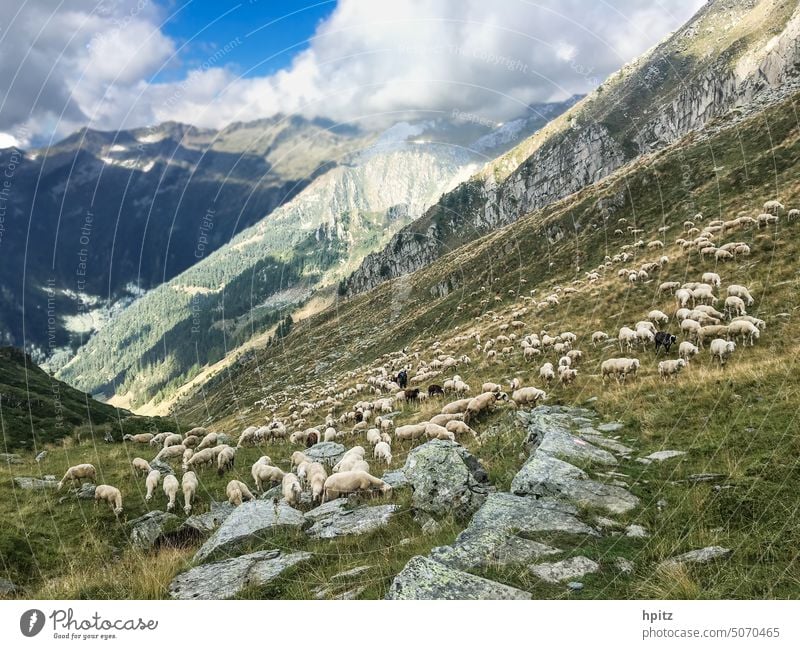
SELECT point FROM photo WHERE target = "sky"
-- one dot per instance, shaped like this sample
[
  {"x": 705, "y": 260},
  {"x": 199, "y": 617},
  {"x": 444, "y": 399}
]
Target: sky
[{"x": 111, "y": 64}]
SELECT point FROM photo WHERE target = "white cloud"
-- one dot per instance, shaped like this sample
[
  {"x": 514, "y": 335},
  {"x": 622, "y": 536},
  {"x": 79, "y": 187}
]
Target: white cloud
[{"x": 367, "y": 60}]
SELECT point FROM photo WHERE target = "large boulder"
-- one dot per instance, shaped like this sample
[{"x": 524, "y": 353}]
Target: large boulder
[
  {"x": 250, "y": 521},
  {"x": 544, "y": 475},
  {"x": 424, "y": 578},
  {"x": 34, "y": 483},
  {"x": 334, "y": 518},
  {"x": 498, "y": 530},
  {"x": 446, "y": 478},
  {"x": 549, "y": 431},
  {"x": 327, "y": 453},
  {"x": 571, "y": 568},
  {"x": 146, "y": 529},
  {"x": 163, "y": 468},
  {"x": 225, "y": 579},
  {"x": 209, "y": 521}
]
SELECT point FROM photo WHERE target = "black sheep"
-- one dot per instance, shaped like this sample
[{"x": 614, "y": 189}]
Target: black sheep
[{"x": 665, "y": 340}]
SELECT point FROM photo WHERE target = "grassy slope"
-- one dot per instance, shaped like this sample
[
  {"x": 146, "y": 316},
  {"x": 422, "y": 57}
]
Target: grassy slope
[{"x": 739, "y": 422}]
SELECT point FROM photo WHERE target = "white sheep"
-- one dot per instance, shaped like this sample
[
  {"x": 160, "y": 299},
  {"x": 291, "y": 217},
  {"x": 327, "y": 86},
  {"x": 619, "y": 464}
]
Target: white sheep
[
  {"x": 170, "y": 486},
  {"x": 546, "y": 373},
  {"x": 566, "y": 375},
  {"x": 373, "y": 436},
  {"x": 151, "y": 482},
  {"x": 414, "y": 431},
  {"x": 237, "y": 492},
  {"x": 734, "y": 306},
  {"x": 745, "y": 330},
  {"x": 627, "y": 337},
  {"x": 141, "y": 438},
  {"x": 460, "y": 428},
  {"x": 721, "y": 349},
  {"x": 383, "y": 451},
  {"x": 290, "y": 488},
  {"x": 687, "y": 350},
  {"x": 773, "y": 207},
  {"x": 208, "y": 441},
  {"x": 138, "y": 464},
  {"x": 599, "y": 337},
  {"x": 189, "y": 486},
  {"x": 670, "y": 368},
  {"x": 201, "y": 458},
  {"x": 316, "y": 476},
  {"x": 265, "y": 473},
  {"x": 659, "y": 317},
  {"x": 171, "y": 452},
  {"x": 683, "y": 297},
  {"x": 111, "y": 495},
  {"x": 225, "y": 459},
  {"x": 78, "y": 472},
  {"x": 619, "y": 368},
  {"x": 172, "y": 440},
  {"x": 528, "y": 396},
  {"x": 712, "y": 278},
  {"x": 350, "y": 482},
  {"x": 330, "y": 434},
  {"x": 187, "y": 455},
  {"x": 742, "y": 292}
]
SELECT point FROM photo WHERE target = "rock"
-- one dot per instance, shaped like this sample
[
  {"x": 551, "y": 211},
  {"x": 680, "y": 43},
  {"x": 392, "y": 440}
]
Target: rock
[
  {"x": 224, "y": 438},
  {"x": 274, "y": 492},
  {"x": 7, "y": 587},
  {"x": 333, "y": 519},
  {"x": 40, "y": 456},
  {"x": 608, "y": 523},
  {"x": 543, "y": 475},
  {"x": 347, "y": 575},
  {"x": 146, "y": 529},
  {"x": 225, "y": 579},
  {"x": 575, "y": 585},
  {"x": 643, "y": 460},
  {"x": 493, "y": 535},
  {"x": 327, "y": 453},
  {"x": 705, "y": 477},
  {"x": 446, "y": 478},
  {"x": 549, "y": 432},
  {"x": 703, "y": 555},
  {"x": 163, "y": 467},
  {"x": 10, "y": 458},
  {"x": 85, "y": 491},
  {"x": 623, "y": 565},
  {"x": 636, "y": 532},
  {"x": 424, "y": 578},
  {"x": 250, "y": 521},
  {"x": 34, "y": 483},
  {"x": 660, "y": 456},
  {"x": 610, "y": 444},
  {"x": 210, "y": 520},
  {"x": 395, "y": 479},
  {"x": 611, "y": 427},
  {"x": 564, "y": 570}
]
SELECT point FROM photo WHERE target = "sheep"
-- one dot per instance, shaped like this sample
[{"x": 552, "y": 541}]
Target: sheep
[
  {"x": 443, "y": 420},
  {"x": 171, "y": 452},
  {"x": 546, "y": 373},
  {"x": 410, "y": 431},
  {"x": 747, "y": 331},
  {"x": 704, "y": 333},
  {"x": 690, "y": 327},
  {"x": 723, "y": 255},
  {"x": 191, "y": 441},
  {"x": 158, "y": 439},
  {"x": 734, "y": 306},
  {"x": 773, "y": 207},
  {"x": 668, "y": 287},
  {"x": 683, "y": 297},
  {"x": 712, "y": 278},
  {"x": 575, "y": 356},
  {"x": 373, "y": 436},
  {"x": 528, "y": 396},
  {"x": 460, "y": 428},
  {"x": 793, "y": 215},
  {"x": 383, "y": 451},
  {"x": 315, "y": 477},
  {"x": 655, "y": 245},
  {"x": 350, "y": 463},
  {"x": 209, "y": 440},
  {"x": 735, "y": 290},
  {"x": 78, "y": 472},
  {"x": 111, "y": 495},
  {"x": 172, "y": 440},
  {"x": 481, "y": 403},
  {"x": 140, "y": 465},
  {"x": 189, "y": 486},
  {"x": 686, "y": 350},
  {"x": 330, "y": 434},
  {"x": 709, "y": 311},
  {"x": 702, "y": 294},
  {"x": 290, "y": 488},
  {"x": 659, "y": 317},
  {"x": 201, "y": 458},
  {"x": 566, "y": 375},
  {"x": 599, "y": 337},
  {"x": 262, "y": 473},
  {"x": 721, "y": 349},
  {"x": 670, "y": 368},
  {"x": 765, "y": 219},
  {"x": 627, "y": 337},
  {"x": 170, "y": 486},
  {"x": 435, "y": 431},
  {"x": 237, "y": 492},
  {"x": 564, "y": 361},
  {"x": 758, "y": 323},
  {"x": 491, "y": 387},
  {"x": 225, "y": 460},
  {"x": 455, "y": 407},
  {"x": 350, "y": 482},
  {"x": 619, "y": 368},
  {"x": 529, "y": 353},
  {"x": 298, "y": 457},
  {"x": 151, "y": 482},
  {"x": 141, "y": 438}
]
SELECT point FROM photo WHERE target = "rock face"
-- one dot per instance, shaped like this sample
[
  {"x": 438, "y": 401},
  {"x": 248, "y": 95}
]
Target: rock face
[
  {"x": 146, "y": 529},
  {"x": 493, "y": 537},
  {"x": 34, "y": 483},
  {"x": 327, "y": 453},
  {"x": 334, "y": 519},
  {"x": 565, "y": 570},
  {"x": 225, "y": 579},
  {"x": 445, "y": 478},
  {"x": 424, "y": 578},
  {"x": 210, "y": 520},
  {"x": 250, "y": 521}
]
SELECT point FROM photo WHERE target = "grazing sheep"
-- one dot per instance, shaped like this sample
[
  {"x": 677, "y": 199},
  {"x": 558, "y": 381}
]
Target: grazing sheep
[
  {"x": 158, "y": 440},
  {"x": 350, "y": 482},
  {"x": 225, "y": 460},
  {"x": 758, "y": 323},
  {"x": 687, "y": 350},
  {"x": 668, "y": 287},
  {"x": 482, "y": 402},
  {"x": 709, "y": 332},
  {"x": 690, "y": 327},
  {"x": 262, "y": 473},
  {"x": 141, "y": 438},
  {"x": 111, "y": 495},
  {"x": 189, "y": 486},
  {"x": 460, "y": 428},
  {"x": 528, "y": 396},
  {"x": 619, "y": 368},
  {"x": 410, "y": 431},
  {"x": 434, "y": 431},
  {"x": 290, "y": 488},
  {"x": 315, "y": 477},
  {"x": 670, "y": 368},
  {"x": 201, "y": 458},
  {"x": 745, "y": 330},
  {"x": 723, "y": 255},
  {"x": 455, "y": 407},
  {"x": 170, "y": 486},
  {"x": 491, "y": 387},
  {"x": 191, "y": 441},
  {"x": 172, "y": 440},
  {"x": 237, "y": 492},
  {"x": 627, "y": 337},
  {"x": 350, "y": 463},
  {"x": 742, "y": 292},
  {"x": 547, "y": 373},
  {"x": 712, "y": 278},
  {"x": 773, "y": 207},
  {"x": 793, "y": 215},
  {"x": 78, "y": 472},
  {"x": 209, "y": 440},
  {"x": 566, "y": 375},
  {"x": 373, "y": 436},
  {"x": 529, "y": 353},
  {"x": 734, "y": 306},
  {"x": 383, "y": 451},
  {"x": 683, "y": 297},
  {"x": 443, "y": 420},
  {"x": 702, "y": 295},
  {"x": 599, "y": 337},
  {"x": 721, "y": 350},
  {"x": 171, "y": 452},
  {"x": 330, "y": 434},
  {"x": 298, "y": 457},
  {"x": 664, "y": 339},
  {"x": 658, "y": 317},
  {"x": 140, "y": 465},
  {"x": 151, "y": 482}
]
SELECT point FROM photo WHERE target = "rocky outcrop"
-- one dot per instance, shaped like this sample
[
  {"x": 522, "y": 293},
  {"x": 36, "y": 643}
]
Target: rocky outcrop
[
  {"x": 327, "y": 453},
  {"x": 209, "y": 521},
  {"x": 35, "y": 483},
  {"x": 424, "y": 578},
  {"x": 335, "y": 518},
  {"x": 446, "y": 478},
  {"x": 146, "y": 529},
  {"x": 703, "y": 555},
  {"x": 565, "y": 570},
  {"x": 226, "y": 579}
]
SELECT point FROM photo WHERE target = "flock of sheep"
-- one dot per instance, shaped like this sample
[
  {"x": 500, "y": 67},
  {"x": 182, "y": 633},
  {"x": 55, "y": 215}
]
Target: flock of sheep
[{"x": 392, "y": 387}]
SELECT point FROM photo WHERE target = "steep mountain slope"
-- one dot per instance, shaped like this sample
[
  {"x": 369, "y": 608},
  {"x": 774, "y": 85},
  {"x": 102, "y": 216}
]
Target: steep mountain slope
[
  {"x": 99, "y": 217},
  {"x": 310, "y": 243},
  {"x": 732, "y": 55}
]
